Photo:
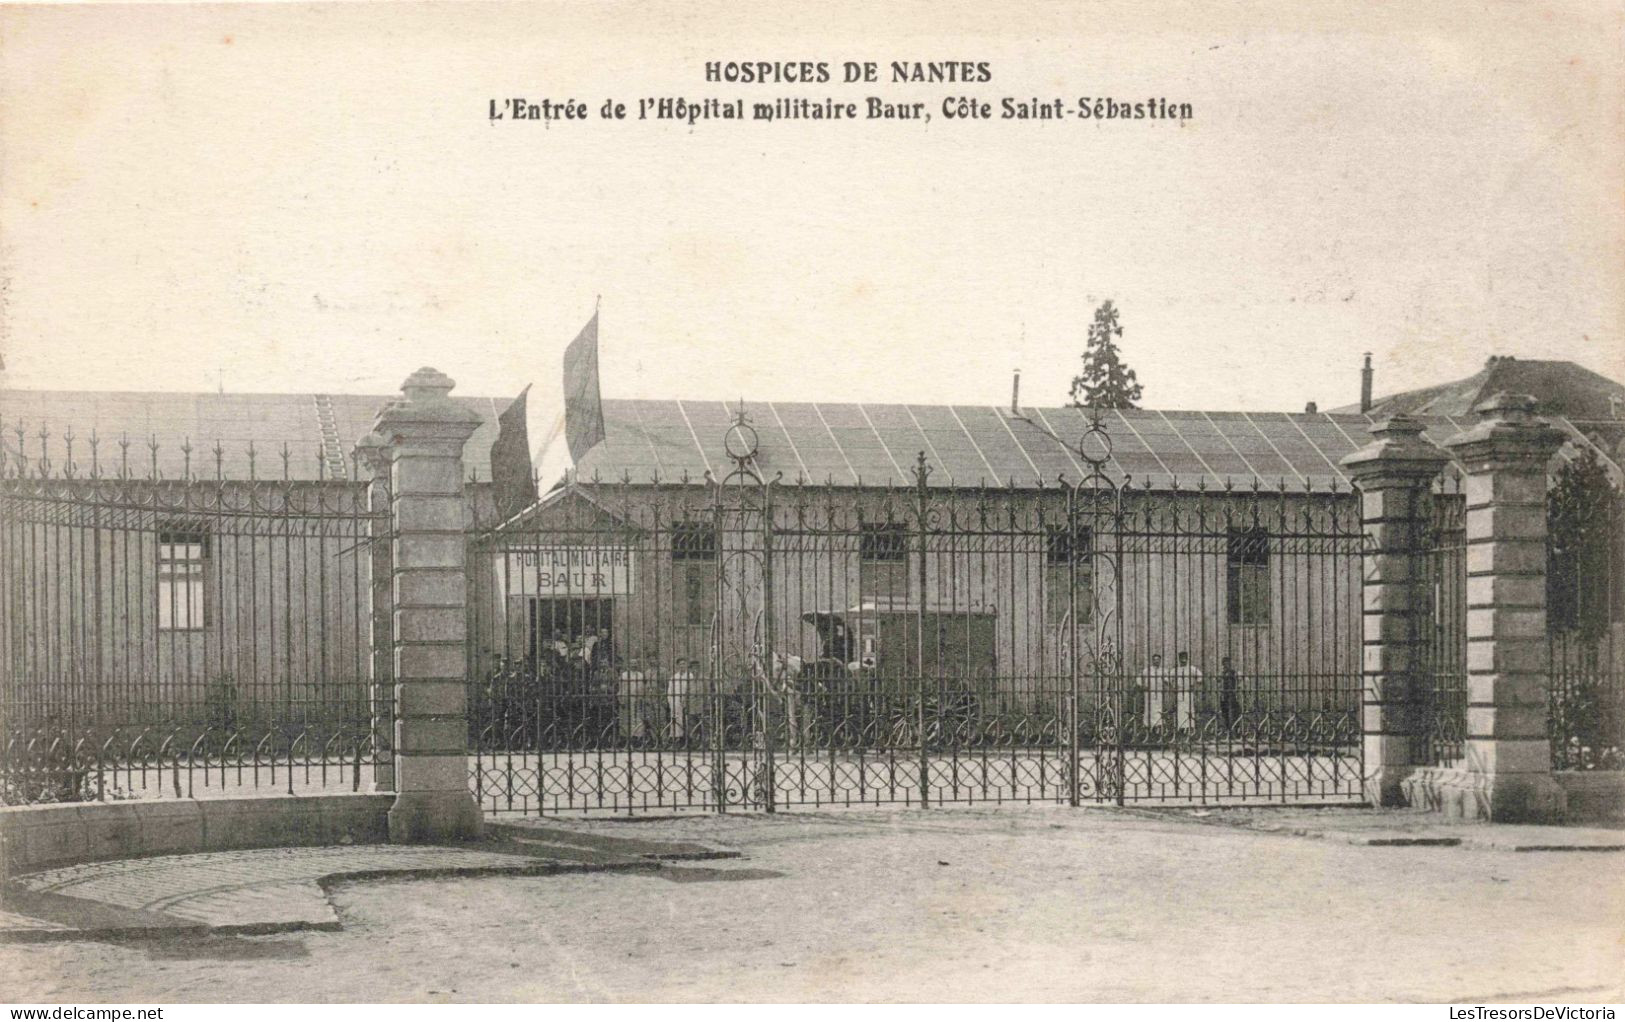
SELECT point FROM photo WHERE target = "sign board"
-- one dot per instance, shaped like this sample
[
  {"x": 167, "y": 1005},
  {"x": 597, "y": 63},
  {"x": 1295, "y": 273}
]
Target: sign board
[{"x": 565, "y": 571}]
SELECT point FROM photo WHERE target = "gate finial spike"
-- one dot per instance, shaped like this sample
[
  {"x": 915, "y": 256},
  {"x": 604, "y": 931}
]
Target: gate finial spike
[{"x": 922, "y": 471}]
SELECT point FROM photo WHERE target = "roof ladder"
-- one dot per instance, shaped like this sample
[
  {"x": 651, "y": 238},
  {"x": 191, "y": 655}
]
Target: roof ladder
[{"x": 332, "y": 451}]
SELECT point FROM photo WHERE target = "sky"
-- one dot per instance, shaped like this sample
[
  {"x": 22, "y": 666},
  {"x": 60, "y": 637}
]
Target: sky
[{"x": 313, "y": 199}]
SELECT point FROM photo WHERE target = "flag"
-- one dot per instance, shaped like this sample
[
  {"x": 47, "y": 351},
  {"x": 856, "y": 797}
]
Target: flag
[
  {"x": 511, "y": 475},
  {"x": 583, "y": 408}
]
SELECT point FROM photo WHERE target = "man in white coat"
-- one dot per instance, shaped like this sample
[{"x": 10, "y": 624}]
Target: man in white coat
[
  {"x": 1187, "y": 688},
  {"x": 678, "y": 690}
]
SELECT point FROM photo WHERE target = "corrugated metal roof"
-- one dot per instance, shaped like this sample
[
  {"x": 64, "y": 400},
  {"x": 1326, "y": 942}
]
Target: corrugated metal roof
[
  {"x": 841, "y": 443},
  {"x": 318, "y": 430},
  {"x": 972, "y": 445}
]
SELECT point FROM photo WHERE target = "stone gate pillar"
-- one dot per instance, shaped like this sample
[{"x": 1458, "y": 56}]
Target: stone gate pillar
[
  {"x": 1395, "y": 474},
  {"x": 423, "y": 436},
  {"x": 372, "y": 460},
  {"x": 1507, "y": 772}
]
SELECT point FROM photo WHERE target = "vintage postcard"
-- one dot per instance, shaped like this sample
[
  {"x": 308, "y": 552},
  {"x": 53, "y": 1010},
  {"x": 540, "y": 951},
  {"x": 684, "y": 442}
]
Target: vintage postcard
[{"x": 614, "y": 502}]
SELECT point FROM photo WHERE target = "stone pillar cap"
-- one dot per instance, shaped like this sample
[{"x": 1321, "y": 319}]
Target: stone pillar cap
[
  {"x": 1509, "y": 421},
  {"x": 427, "y": 383},
  {"x": 1398, "y": 426},
  {"x": 426, "y": 408},
  {"x": 1399, "y": 447},
  {"x": 1507, "y": 406}
]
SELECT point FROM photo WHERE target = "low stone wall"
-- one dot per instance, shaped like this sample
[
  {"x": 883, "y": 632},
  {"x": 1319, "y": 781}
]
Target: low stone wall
[
  {"x": 1594, "y": 796},
  {"x": 39, "y": 837}
]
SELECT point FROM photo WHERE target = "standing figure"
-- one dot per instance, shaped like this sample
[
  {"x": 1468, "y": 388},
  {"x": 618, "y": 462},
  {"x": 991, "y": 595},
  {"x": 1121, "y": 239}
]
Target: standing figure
[
  {"x": 1151, "y": 689},
  {"x": 780, "y": 677},
  {"x": 601, "y": 675},
  {"x": 1187, "y": 684},
  {"x": 1229, "y": 694},
  {"x": 677, "y": 696}
]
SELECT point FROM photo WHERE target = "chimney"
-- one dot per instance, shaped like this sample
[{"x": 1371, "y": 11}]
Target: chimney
[
  {"x": 1365, "y": 384},
  {"x": 1015, "y": 394},
  {"x": 1311, "y": 409}
]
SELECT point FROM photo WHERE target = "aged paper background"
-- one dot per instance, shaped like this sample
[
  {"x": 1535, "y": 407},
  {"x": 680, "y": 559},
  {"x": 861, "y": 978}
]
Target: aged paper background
[
  {"x": 312, "y": 198},
  {"x": 306, "y": 198}
]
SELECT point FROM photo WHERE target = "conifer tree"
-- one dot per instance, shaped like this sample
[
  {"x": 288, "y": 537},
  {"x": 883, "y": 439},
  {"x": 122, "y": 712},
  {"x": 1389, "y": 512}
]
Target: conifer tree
[{"x": 1105, "y": 382}]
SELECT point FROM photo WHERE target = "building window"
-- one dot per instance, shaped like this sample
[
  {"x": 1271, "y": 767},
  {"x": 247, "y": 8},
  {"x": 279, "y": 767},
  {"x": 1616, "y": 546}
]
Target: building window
[
  {"x": 183, "y": 559},
  {"x": 693, "y": 541},
  {"x": 699, "y": 592},
  {"x": 1064, "y": 546},
  {"x": 883, "y": 561},
  {"x": 694, "y": 557},
  {"x": 1247, "y": 564},
  {"x": 1067, "y": 563},
  {"x": 884, "y": 543}
]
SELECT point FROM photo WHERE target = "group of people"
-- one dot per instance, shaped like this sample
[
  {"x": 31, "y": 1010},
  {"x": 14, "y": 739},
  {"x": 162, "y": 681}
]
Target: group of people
[
  {"x": 643, "y": 695},
  {"x": 589, "y": 682},
  {"x": 580, "y": 684},
  {"x": 1175, "y": 697},
  {"x": 685, "y": 690}
]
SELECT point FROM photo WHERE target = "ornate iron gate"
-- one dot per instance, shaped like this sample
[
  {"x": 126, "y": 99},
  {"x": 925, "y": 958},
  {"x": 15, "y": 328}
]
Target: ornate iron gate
[
  {"x": 1237, "y": 614},
  {"x": 744, "y": 642}
]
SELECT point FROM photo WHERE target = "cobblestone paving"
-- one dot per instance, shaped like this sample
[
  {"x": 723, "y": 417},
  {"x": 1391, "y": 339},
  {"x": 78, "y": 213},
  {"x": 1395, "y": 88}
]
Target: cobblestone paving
[{"x": 274, "y": 886}]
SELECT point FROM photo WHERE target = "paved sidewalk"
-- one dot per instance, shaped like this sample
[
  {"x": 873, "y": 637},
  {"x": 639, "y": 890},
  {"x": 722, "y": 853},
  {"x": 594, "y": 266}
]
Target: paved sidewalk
[
  {"x": 1041, "y": 903},
  {"x": 268, "y": 890},
  {"x": 276, "y": 889},
  {"x": 1400, "y": 827}
]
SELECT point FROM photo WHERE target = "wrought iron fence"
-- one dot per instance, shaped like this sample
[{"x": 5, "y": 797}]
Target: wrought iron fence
[
  {"x": 1585, "y": 617},
  {"x": 741, "y": 642},
  {"x": 178, "y": 623},
  {"x": 175, "y": 623},
  {"x": 1439, "y": 705}
]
